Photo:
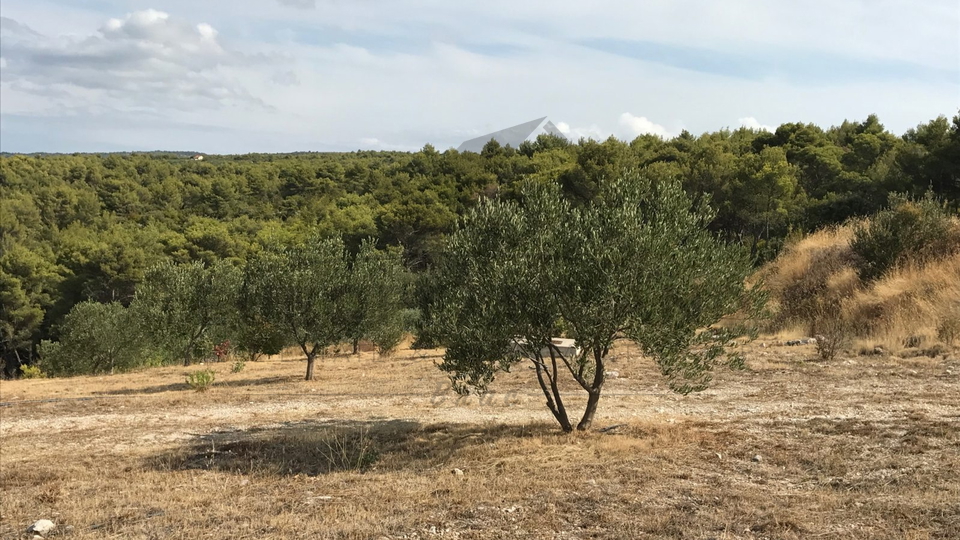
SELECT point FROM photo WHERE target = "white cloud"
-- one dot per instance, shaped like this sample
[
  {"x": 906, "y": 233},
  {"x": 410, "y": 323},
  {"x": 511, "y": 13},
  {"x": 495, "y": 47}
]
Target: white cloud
[
  {"x": 264, "y": 77},
  {"x": 752, "y": 123},
  {"x": 146, "y": 58},
  {"x": 301, "y": 4},
  {"x": 640, "y": 125}
]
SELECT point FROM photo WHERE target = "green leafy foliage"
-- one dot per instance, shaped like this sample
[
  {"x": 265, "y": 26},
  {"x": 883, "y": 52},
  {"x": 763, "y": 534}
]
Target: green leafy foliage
[
  {"x": 88, "y": 227},
  {"x": 637, "y": 261},
  {"x": 201, "y": 380},
  {"x": 378, "y": 289},
  {"x": 181, "y": 305},
  {"x": 301, "y": 291},
  {"x": 31, "y": 372},
  {"x": 910, "y": 230},
  {"x": 95, "y": 338}
]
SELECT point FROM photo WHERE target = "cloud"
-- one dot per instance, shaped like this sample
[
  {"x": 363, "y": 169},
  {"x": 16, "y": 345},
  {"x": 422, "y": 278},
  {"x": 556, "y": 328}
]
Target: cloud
[
  {"x": 146, "y": 57},
  {"x": 262, "y": 76},
  {"x": 300, "y": 4},
  {"x": 640, "y": 125},
  {"x": 752, "y": 123}
]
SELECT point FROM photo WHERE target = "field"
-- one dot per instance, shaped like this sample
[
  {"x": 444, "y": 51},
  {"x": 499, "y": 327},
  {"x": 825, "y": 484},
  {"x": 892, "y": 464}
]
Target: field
[{"x": 862, "y": 447}]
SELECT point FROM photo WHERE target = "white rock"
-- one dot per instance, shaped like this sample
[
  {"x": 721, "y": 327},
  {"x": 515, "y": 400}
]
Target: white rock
[
  {"x": 612, "y": 374},
  {"x": 457, "y": 472},
  {"x": 42, "y": 527},
  {"x": 757, "y": 458}
]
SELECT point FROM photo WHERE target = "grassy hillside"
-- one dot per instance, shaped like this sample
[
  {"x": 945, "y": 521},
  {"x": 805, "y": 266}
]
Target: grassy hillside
[{"x": 912, "y": 308}]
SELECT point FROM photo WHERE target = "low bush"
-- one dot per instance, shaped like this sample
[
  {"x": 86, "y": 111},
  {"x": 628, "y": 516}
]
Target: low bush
[
  {"x": 201, "y": 380},
  {"x": 348, "y": 450},
  {"x": 948, "y": 330},
  {"x": 910, "y": 230},
  {"x": 95, "y": 338},
  {"x": 31, "y": 372}
]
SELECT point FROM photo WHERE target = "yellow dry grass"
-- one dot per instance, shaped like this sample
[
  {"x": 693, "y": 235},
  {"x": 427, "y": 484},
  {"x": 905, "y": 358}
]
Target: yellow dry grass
[
  {"x": 912, "y": 309},
  {"x": 860, "y": 449}
]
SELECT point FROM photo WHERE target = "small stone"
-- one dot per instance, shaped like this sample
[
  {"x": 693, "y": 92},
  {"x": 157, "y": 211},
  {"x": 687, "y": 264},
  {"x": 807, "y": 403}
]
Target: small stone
[
  {"x": 878, "y": 350},
  {"x": 457, "y": 472},
  {"x": 612, "y": 374},
  {"x": 757, "y": 458},
  {"x": 42, "y": 527}
]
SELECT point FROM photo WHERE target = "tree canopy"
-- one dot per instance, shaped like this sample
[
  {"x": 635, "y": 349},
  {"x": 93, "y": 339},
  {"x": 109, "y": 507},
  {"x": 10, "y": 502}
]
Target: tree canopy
[
  {"x": 637, "y": 261},
  {"x": 88, "y": 226}
]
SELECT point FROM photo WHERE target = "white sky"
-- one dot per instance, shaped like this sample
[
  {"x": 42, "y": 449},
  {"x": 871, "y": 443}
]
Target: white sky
[{"x": 227, "y": 76}]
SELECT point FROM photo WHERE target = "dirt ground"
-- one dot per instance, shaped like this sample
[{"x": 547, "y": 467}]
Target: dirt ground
[{"x": 862, "y": 447}]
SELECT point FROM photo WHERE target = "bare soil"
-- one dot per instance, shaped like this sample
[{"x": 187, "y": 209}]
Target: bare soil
[{"x": 862, "y": 447}]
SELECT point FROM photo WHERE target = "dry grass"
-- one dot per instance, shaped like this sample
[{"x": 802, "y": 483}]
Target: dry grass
[
  {"x": 853, "y": 449},
  {"x": 912, "y": 310}
]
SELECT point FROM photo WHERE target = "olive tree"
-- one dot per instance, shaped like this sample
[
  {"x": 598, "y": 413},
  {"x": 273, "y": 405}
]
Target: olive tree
[
  {"x": 180, "y": 305},
  {"x": 299, "y": 291},
  {"x": 378, "y": 283},
  {"x": 94, "y": 338},
  {"x": 636, "y": 262}
]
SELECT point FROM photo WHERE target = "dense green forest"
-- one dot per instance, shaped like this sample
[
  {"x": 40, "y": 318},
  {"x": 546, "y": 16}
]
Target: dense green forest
[{"x": 88, "y": 227}]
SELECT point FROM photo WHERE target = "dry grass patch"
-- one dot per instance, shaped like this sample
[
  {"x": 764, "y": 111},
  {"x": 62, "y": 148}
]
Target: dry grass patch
[
  {"x": 855, "y": 449},
  {"x": 815, "y": 289}
]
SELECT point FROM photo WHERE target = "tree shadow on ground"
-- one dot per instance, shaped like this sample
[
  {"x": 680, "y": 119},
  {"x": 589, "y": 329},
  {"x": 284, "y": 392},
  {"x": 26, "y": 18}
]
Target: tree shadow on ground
[
  {"x": 180, "y": 386},
  {"x": 320, "y": 447}
]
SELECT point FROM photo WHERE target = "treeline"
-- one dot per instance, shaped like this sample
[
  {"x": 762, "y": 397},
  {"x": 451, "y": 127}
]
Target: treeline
[
  {"x": 313, "y": 295},
  {"x": 88, "y": 227}
]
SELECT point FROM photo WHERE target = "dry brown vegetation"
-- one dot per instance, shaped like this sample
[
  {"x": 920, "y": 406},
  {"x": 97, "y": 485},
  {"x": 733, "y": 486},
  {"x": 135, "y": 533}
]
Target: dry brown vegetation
[
  {"x": 915, "y": 309},
  {"x": 864, "y": 447}
]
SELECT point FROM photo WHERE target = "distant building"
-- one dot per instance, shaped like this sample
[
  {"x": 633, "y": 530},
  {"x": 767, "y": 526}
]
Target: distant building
[
  {"x": 197, "y": 157},
  {"x": 513, "y": 136}
]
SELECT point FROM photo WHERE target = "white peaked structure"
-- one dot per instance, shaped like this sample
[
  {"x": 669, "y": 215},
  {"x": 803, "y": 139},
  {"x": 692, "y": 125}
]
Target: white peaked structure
[{"x": 513, "y": 135}]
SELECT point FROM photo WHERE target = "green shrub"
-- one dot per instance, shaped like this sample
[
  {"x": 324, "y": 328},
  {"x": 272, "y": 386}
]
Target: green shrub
[
  {"x": 238, "y": 366},
  {"x": 94, "y": 338},
  {"x": 201, "y": 380},
  {"x": 910, "y": 230},
  {"x": 31, "y": 372}
]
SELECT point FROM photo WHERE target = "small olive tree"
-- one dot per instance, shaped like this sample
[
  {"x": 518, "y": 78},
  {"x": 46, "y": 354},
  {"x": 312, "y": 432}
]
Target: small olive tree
[
  {"x": 378, "y": 284},
  {"x": 180, "y": 305},
  {"x": 635, "y": 262},
  {"x": 299, "y": 291},
  {"x": 94, "y": 338}
]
